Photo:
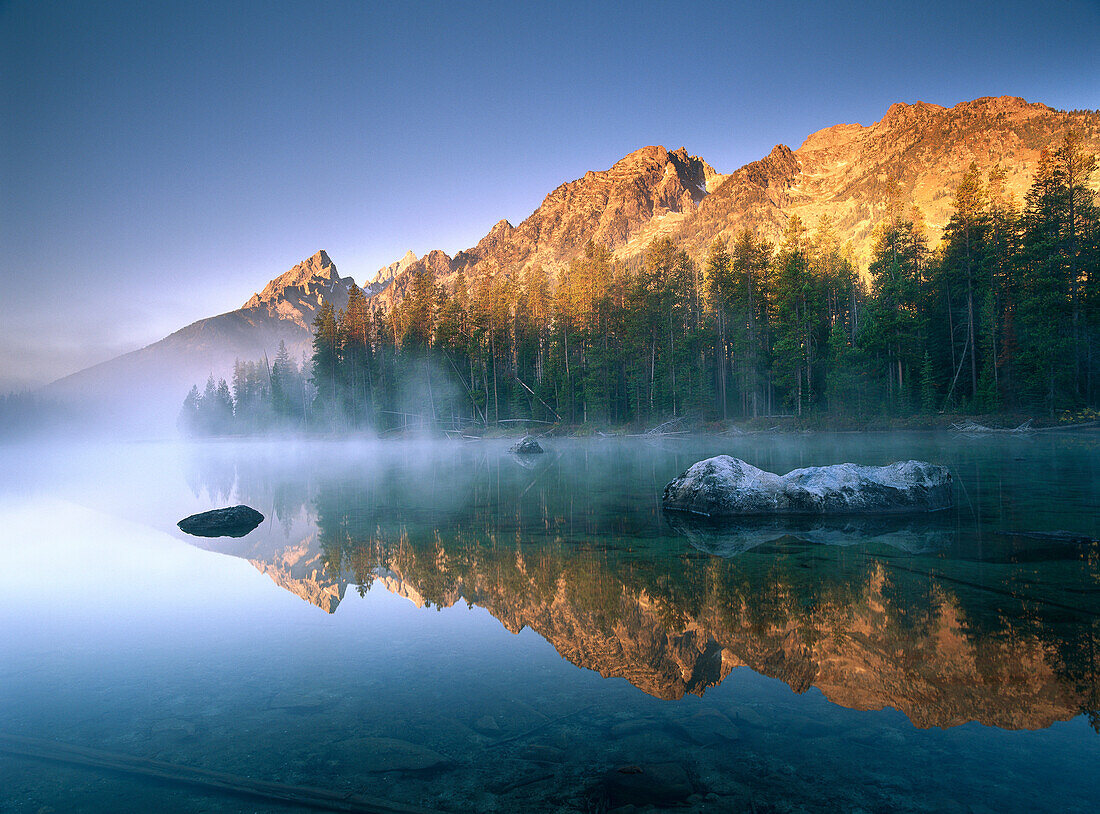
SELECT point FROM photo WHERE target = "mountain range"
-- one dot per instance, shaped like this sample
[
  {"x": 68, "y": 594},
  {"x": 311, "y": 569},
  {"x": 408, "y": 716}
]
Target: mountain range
[{"x": 850, "y": 173}]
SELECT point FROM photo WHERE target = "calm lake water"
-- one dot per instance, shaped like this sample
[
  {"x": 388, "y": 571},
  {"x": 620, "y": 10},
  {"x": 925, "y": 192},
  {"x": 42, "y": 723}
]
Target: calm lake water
[{"x": 450, "y": 627}]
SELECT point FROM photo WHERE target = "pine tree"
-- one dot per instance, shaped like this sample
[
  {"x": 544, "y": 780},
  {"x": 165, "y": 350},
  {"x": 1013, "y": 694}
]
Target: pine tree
[
  {"x": 890, "y": 328},
  {"x": 325, "y": 365},
  {"x": 188, "y": 419}
]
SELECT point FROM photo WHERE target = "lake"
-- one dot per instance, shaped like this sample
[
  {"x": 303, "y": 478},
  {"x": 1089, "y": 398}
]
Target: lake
[{"x": 449, "y": 627}]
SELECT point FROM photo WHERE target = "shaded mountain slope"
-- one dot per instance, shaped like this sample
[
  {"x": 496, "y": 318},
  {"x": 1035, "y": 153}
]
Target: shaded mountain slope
[{"x": 147, "y": 385}]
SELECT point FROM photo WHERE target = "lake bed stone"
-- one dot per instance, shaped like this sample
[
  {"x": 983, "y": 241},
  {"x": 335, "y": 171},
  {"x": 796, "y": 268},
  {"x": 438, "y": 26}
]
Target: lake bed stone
[
  {"x": 648, "y": 783},
  {"x": 708, "y": 727},
  {"x": 390, "y": 755}
]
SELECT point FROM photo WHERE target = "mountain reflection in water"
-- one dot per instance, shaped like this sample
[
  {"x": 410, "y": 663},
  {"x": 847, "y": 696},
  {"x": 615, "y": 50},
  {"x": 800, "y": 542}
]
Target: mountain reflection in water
[{"x": 946, "y": 618}]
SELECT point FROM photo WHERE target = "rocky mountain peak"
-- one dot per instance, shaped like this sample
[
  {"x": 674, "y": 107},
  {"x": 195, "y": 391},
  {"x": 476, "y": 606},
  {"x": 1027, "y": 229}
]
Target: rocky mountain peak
[
  {"x": 501, "y": 227},
  {"x": 296, "y": 294},
  {"x": 908, "y": 112},
  {"x": 385, "y": 275},
  {"x": 653, "y": 153},
  {"x": 493, "y": 241},
  {"x": 318, "y": 269}
]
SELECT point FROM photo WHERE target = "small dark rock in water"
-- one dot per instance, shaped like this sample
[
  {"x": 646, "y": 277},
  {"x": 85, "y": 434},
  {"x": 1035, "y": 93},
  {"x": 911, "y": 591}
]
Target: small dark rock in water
[
  {"x": 528, "y": 446},
  {"x": 233, "y": 521},
  {"x": 728, "y": 487},
  {"x": 649, "y": 783}
]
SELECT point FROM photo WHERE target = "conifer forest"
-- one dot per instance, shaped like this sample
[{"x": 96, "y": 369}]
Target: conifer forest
[{"x": 1002, "y": 317}]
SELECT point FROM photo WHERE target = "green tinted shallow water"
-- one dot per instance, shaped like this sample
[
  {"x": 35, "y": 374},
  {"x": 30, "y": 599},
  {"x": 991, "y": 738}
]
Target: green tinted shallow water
[{"x": 453, "y": 627}]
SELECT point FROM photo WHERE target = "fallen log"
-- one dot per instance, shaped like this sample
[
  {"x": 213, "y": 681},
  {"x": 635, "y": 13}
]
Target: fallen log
[
  {"x": 973, "y": 428},
  {"x": 536, "y": 729},
  {"x": 320, "y": 799}
]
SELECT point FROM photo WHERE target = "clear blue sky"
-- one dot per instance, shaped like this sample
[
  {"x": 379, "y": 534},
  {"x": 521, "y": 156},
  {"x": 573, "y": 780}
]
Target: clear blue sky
[{"x": 161, "y": 161}]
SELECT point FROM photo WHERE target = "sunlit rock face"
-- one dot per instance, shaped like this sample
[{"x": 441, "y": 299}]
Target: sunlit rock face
[
  {"x": 915, "y": 155},
  {"x": 724, "y": 486},
  {"x": 848, "y": 173},
  {"x": 296, "y": 295},
  {"x": 642, "y": 196}
]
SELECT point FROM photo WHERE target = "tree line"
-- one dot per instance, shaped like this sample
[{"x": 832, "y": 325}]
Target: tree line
[{"x": 1003, "y": 316}]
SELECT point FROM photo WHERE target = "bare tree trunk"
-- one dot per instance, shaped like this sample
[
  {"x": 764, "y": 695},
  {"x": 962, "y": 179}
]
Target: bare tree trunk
[{"x": 970, "y": 338}]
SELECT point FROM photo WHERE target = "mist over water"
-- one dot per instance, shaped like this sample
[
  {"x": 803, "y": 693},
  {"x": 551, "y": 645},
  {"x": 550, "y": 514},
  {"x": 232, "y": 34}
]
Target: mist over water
[{"x": 451, "y": 626}]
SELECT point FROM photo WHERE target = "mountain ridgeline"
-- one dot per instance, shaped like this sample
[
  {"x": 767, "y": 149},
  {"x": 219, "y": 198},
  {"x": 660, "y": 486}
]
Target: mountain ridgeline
[
  {"x": 939, "y": 259},
  {"x": 995, "y": 310}
]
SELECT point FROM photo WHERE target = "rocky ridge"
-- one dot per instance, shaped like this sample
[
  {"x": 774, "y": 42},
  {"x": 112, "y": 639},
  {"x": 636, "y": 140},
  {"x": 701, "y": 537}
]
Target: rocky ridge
[
  {"x": 296, "y": 295},
  {"x": 850, "y": 173},
  {"x": 609, "y": 207}
]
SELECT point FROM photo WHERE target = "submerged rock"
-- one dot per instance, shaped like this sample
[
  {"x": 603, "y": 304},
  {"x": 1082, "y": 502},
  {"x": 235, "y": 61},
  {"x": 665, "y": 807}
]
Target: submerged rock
[
  {"x": 233, "y": 521},
  {"x": 528, "y": 446},
  {"x": 724, "y": 486},
  {"x": 652, "y": 783},
  {"x": 389, "y": 755},
  {"x": 708, "y": 727},
  {"x": 728, "y": 537}
]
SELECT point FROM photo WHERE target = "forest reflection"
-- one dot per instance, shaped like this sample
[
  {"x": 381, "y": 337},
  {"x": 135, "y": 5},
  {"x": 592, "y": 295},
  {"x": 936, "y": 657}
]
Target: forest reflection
[{"x": 949, "y": 619}]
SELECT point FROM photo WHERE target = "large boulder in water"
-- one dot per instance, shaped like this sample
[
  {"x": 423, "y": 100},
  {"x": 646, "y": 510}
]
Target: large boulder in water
[
  {"x": 527, "y": 446},
  {"x": 724, "y": 486},
  {"x": 233, "y": 521}
]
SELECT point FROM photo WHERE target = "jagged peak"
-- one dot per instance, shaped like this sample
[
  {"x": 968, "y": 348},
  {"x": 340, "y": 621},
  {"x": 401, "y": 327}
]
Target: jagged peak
[
  {"x": 777, "y": 168},
  {"x": 387, "y": 273},
  {"x": 835, "y": 136},
  {"x": 654, "y": 152},
  {"x": 318, "y": 267},
  {"x": 898, "y": 109},
  {"x": 1000, "y": 102},
  {"x": 437, "y": 260}
]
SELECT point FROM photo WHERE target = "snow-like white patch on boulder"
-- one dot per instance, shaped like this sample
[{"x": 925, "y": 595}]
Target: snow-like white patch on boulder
[{"x": 724, "y": 486}]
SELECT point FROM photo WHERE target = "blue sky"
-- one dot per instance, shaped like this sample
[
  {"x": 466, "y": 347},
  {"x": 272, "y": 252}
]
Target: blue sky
[{"x": 159, "y": 162}]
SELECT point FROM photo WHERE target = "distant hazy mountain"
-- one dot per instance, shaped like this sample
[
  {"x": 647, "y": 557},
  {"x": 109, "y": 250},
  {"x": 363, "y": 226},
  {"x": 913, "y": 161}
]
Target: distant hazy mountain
[{"x": 148, "y": 385}]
